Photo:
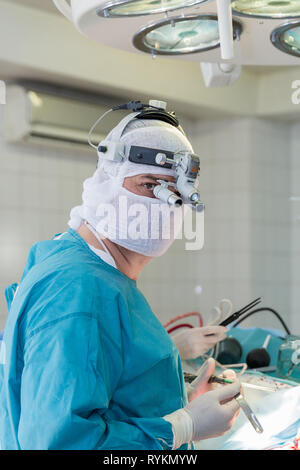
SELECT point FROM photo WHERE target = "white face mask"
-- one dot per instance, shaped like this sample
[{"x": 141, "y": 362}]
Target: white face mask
[{"x": 139, "y": 223}]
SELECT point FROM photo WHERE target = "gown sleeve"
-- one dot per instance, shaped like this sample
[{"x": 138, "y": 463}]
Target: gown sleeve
[{"x": 71, "y": 369}]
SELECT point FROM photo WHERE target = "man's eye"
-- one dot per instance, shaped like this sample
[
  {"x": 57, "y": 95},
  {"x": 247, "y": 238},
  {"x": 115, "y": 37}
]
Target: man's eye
[{"x": 149, "y": 186}]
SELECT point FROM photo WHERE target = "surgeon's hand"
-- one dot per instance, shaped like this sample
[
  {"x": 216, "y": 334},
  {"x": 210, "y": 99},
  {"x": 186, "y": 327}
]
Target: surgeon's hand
[
  {"x": 194, "y": 342},
  {"x": 209, "y": 415},
  {"x": 214, "y": 412},
  {"x": 201, "y": 385}
]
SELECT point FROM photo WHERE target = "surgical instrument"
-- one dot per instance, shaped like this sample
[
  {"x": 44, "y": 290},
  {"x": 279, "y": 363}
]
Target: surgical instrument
[
  {"x": 188, "y": 377},
  {"x": 219, "y": 380},
  {"x": 240, "y": 312},
  {"x": 249, "y": 413}
]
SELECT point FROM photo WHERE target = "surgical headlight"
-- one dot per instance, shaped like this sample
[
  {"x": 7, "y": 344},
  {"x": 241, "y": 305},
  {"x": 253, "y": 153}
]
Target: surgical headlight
[
  {"x": 186, "y": 165},
  {"x": 162, "y": 192},
  {"x": 187, "y": 169}
]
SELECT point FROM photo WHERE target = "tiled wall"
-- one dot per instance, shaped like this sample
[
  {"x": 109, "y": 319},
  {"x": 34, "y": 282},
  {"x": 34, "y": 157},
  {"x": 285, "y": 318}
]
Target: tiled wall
[
  {"x": 271, "y": 219},
  {"x": 244, "y": 183}
]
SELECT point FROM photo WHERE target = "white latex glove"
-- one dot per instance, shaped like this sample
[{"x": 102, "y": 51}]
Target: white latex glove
[
  {"x": 214, "y": 412},
  {"x": 193, "y": 342},
  {"x": 200, "y": 385},
  {"x": 207, "y": 416}
]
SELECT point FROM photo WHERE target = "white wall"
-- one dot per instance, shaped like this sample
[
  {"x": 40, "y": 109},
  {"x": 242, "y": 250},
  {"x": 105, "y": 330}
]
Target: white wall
[{"x": 271, "y": 219}]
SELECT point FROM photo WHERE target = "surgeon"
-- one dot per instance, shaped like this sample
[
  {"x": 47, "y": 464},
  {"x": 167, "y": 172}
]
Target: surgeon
[{"x": 88, "y": 365}]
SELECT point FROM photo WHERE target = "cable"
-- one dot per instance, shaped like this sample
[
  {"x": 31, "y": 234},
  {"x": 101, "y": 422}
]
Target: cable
[
  {"x": 93, "y": 127},
  {"x": 261, "y": 310},
  {"x": 133, "y": 106},
  {"x": 185, "y": 315},
  {"x": 242, "y": 365},
  {"x": 181, "y": 325},
  {"x": 218, "y": 318}
]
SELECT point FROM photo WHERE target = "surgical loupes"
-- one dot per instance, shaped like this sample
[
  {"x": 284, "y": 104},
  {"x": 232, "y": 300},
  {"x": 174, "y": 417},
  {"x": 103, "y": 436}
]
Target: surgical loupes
[
  {"x": 186, "y": 167},
  {"x": 162, "y": 192}
]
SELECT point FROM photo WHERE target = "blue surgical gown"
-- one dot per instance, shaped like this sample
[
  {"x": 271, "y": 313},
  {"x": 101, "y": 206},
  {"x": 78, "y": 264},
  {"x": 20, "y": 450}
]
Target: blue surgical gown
[{"x": 88, "y": 365}]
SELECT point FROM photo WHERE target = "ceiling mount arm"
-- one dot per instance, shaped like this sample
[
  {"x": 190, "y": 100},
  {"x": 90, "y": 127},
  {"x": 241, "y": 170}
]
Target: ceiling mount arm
[{"x": 225, "y": 29}]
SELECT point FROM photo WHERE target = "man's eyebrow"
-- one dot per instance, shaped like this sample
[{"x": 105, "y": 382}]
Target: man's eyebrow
[
  {"x": 154, "y": 177},
  {"x": 147, "y": 175}
]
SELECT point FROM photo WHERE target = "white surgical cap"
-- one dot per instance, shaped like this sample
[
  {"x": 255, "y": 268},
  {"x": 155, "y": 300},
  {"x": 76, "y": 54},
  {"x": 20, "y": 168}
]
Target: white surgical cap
[{"x": 102, "y": 186}]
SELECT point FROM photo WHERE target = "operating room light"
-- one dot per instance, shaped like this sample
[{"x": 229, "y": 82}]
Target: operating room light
[
  {"x": 180, "y": 35},
  {"x": 287, "y": 38},
  {"x": 125, "y": 8},
  {"x": 183, "y": 37},
  {"x": 268, "y": 8}
]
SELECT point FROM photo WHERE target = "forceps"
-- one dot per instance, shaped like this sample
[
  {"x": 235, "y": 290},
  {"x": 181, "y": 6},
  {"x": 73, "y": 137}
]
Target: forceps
[{"x": 249, "y": 413}]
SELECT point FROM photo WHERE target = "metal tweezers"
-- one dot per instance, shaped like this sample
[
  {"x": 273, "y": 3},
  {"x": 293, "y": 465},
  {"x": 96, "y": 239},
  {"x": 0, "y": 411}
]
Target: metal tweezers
[
  {"x": 240, "y": 312},
  {"x": 249, "y": 413}
]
